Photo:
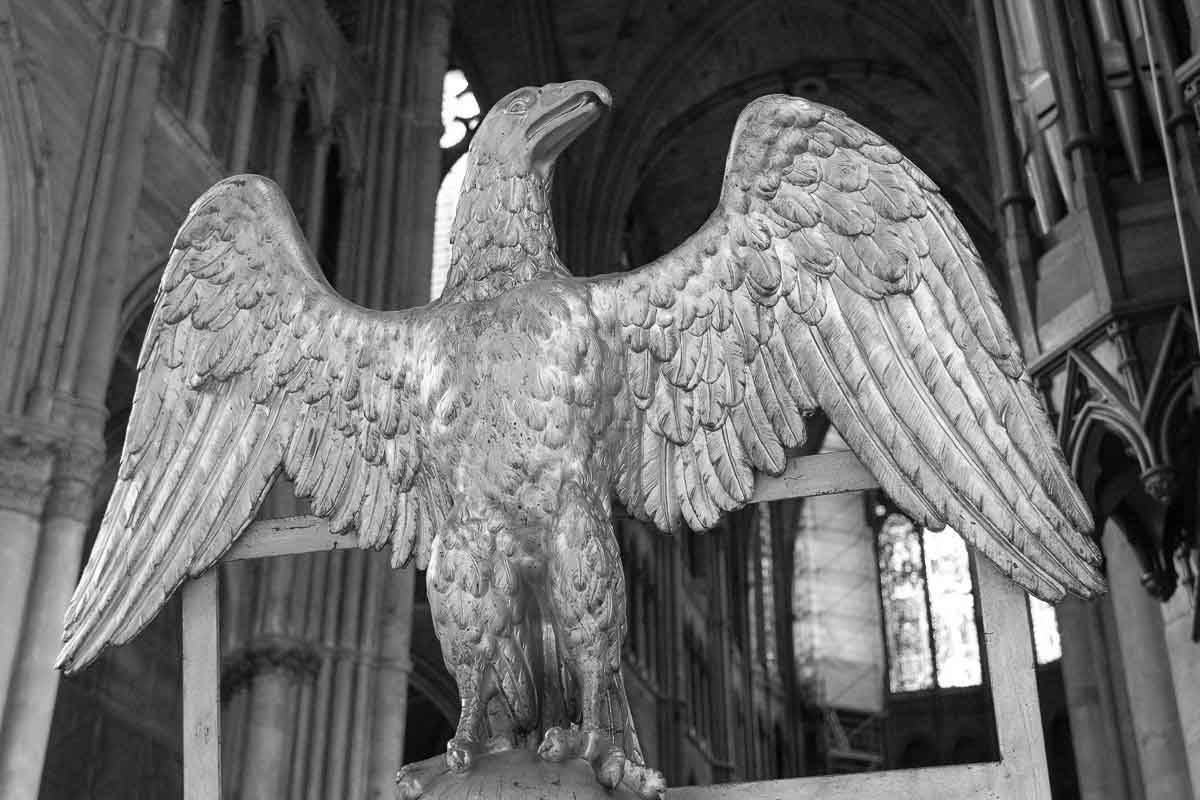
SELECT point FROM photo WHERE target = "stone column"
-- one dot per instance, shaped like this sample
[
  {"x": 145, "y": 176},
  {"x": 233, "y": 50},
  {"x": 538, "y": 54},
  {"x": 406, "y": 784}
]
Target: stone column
[
  {"x": 272, "y": 660},
  {"x": 74, "y": 371},
  {"x": 34, "y": 682},
  {"x": 202, "y": 68},
  {"x": 1088, "y": 683},
  {"x": 1014, "y": 200},
  {"x": 403, "y": 161},
  {"x": 316, "y": 188},
  {"x": 1148, "y": 681},
  {"x": 289, "y": 101},
  {"x": 421, "y": 129},
  {"x": 1178, "y": 618},
  {"x": 25, "y": 464},
  {"x": 253, "y": 51},
  {"x": 390, "y": 696}
]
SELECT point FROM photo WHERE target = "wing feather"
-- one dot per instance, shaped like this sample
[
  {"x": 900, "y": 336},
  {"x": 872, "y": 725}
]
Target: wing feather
[
  {"x": 889, "y": 325},
  {"x": 253, "y": 366}
]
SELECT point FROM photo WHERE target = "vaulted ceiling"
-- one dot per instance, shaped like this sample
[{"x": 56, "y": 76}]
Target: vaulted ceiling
[{"x": 681, "y": 70}]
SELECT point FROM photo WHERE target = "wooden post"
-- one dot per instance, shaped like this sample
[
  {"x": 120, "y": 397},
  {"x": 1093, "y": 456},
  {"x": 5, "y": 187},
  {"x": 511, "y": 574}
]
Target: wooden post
[
  {"x": 201, "y": 689},
  {"x": 1009, "y": 646}
]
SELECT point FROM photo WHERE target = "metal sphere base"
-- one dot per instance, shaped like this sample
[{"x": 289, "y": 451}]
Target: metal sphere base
[{"x": 517, "y": 773}]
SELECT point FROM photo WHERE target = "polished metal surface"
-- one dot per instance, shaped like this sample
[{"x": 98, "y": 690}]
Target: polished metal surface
[{"x": 484, "y": 435}]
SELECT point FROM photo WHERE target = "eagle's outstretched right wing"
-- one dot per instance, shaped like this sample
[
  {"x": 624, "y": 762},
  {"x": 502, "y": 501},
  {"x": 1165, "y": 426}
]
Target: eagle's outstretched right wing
[
  {"x": 834, "y": 275},
  {"x": 253, "y": 365}
]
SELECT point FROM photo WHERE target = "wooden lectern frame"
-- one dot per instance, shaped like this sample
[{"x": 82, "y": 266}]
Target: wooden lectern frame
[{"x": 1021, "y": 771}]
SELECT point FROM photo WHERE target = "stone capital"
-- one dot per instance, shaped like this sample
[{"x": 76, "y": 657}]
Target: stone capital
[
  {"x": 297, "y": 659},
  {"x": 26, "y": 463},
  {"x": 73, "y": 483},
  {"x": 48, "y": 469}
]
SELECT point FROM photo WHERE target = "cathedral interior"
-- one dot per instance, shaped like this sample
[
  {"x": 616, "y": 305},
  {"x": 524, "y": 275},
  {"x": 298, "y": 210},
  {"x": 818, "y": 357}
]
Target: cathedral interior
[{"x": 802, "y": 637}]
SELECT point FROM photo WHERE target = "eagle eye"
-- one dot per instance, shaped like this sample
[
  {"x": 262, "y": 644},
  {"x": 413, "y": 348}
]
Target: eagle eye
[{"x": 519, "y": 105}]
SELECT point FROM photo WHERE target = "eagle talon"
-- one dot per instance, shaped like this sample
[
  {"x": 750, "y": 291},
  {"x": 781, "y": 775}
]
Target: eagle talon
[
  {"x": 610, "y": 766},
  {"x": 408, "y": 785},
  {"x": 499, "y": 744},
  {"x": 460, "y": 754},
  {"x": 556, "y": 746},
  {"x": 646, "y": 782},
  {"x": 608, "y": 761}
]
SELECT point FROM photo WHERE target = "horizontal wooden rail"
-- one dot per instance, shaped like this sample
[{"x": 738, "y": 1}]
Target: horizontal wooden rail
[{"x": 806, "y": 476}]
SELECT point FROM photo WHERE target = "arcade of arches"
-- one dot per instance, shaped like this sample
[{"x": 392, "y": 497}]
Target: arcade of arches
[{"x": 802, "y": 637}]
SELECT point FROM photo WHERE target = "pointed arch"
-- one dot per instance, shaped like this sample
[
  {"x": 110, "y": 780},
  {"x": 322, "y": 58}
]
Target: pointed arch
[{"x": 24, "y": 219}]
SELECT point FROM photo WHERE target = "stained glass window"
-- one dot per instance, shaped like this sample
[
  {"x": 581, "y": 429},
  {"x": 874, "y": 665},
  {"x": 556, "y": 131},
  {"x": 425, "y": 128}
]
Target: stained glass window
[
  {"x": 460, "y": 116},
  {"x": 905, "y": 607},
  {"x": 1047, "y": 645},
  {"x": 447, "y": 203},
  {"x": 460, "y": 109},
  {"x": 929, "y": 616},
  {"x": 952, "y": 600}
]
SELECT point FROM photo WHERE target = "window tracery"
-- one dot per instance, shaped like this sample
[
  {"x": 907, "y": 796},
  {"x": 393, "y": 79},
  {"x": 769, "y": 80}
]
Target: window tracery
[
  {"x": 460, "y": 110},
  {"x": 460, "y": 117},
  {"x": 1047, "y": 643},
  {"x": 929, "y": 611}
]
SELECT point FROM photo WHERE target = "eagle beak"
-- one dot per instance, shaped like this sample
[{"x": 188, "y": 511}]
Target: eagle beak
[{"x": 570, "y": 109}]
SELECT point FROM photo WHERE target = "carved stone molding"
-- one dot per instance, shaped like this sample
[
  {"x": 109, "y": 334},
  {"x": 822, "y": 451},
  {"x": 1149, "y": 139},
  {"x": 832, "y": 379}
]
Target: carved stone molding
[
  {"x": 47, "y": 469},
  {"x": 26, "y": 461},
  {"x": 296, "y": 658},
  {"x": 1149, "y": 417},
  {"x": 72, "y": 488}
]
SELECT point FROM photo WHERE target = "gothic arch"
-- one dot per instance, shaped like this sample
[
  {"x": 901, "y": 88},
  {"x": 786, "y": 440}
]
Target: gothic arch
[
  {"x": 25, "y": 287},
  {"x": 675, "y": 81}
]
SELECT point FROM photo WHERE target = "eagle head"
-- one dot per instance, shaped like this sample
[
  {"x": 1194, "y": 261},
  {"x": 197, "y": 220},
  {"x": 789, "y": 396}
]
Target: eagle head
[{"x": 529, "y": 127}]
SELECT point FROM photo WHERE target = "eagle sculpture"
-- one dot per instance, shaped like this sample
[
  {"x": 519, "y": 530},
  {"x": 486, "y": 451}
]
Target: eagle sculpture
[{"x": 485, "y": 434}]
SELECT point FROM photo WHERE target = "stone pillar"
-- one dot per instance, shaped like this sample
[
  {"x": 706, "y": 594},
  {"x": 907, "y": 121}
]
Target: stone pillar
[
  {"x": 74, "y": 369},
  {"x": 275, "y": 661},
  {"x": 390, "y": 697},
  {"x": 289, "y": 101},
  {"x": 34, "y": 682},
  {"x": 1148, "y": 680},
  {"x": 403, "y": 161},
  {"x": 1178, "y": 618},
  {"x": 202, "y": 69},
  {"x": 1014, "y": 200},
  {"x": 25, "y": 465},
  {"x": 253, "y": 51},
  {"x": 316, "y": 188},
  {"x": 420, "y": 131},
  {"x": 1089, "y": 687}
]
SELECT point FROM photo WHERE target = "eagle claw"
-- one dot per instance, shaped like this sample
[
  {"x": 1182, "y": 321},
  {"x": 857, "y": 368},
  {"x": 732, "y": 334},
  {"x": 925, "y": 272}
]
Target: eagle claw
[
  {"x": 608, "y": 761},
  {"x": 646, "y": 782},
  {"x": 460, "y": 754}
]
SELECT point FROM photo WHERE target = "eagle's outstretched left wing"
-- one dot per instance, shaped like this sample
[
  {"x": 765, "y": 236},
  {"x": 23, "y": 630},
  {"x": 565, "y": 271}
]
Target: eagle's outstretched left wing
[
  {"x": 834, "y": 275},
  {"x": 252, "y": 366}
]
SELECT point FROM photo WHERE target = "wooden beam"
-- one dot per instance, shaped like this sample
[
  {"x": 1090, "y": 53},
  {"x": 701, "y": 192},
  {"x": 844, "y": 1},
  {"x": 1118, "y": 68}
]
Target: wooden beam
[
  {"x": 288, "y": 536},
  {"x": 807, "y": 476},
  {"x": 201, "y": 689},
  {"x": 928, "y": 783},
  {"x": 820, "y": 474}
]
